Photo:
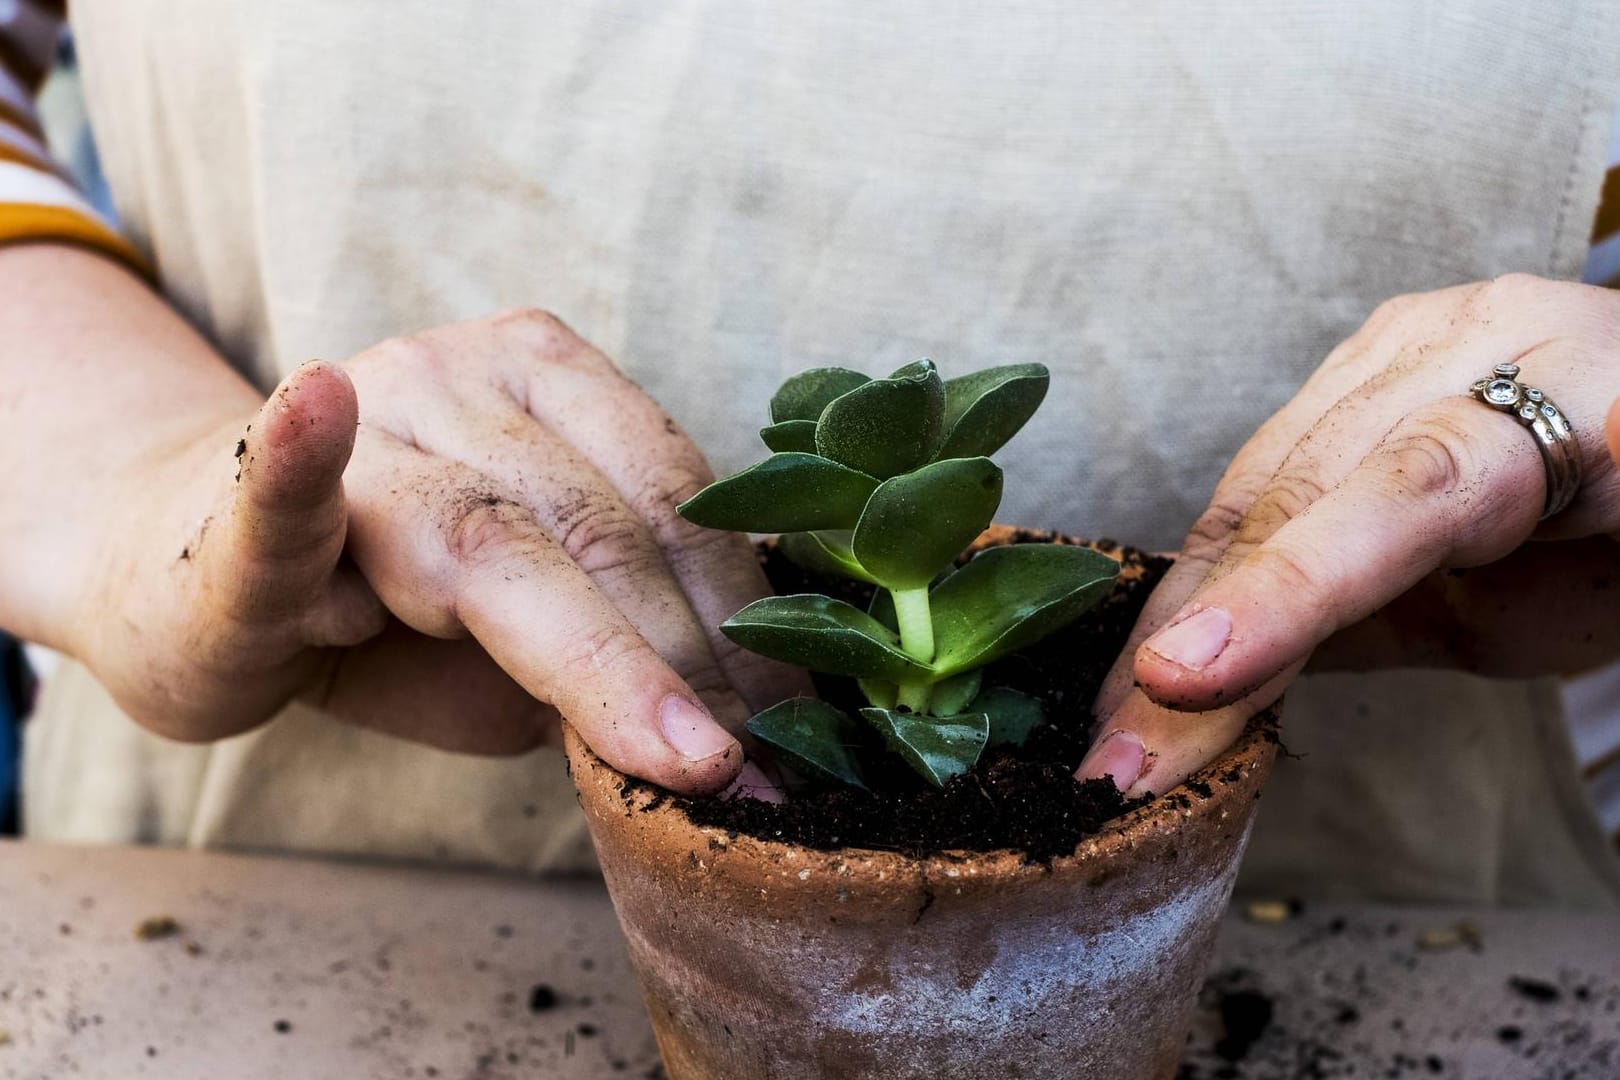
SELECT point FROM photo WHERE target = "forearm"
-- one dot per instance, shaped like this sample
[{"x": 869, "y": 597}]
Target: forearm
[{"x": 99, "y": 380}]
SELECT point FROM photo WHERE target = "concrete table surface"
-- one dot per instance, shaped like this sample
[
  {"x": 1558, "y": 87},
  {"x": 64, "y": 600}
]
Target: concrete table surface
[{"x": 281, "y": 967}]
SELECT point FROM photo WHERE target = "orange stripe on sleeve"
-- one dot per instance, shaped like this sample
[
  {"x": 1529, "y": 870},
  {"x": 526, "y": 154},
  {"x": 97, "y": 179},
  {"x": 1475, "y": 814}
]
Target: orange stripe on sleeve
[
  {"x": 24, "y": 222},
  {"x": 22, "y": 157}
]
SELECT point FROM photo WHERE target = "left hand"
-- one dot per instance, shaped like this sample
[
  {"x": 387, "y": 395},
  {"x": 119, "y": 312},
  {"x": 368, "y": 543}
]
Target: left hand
[{"x": 1334, "y": 528}]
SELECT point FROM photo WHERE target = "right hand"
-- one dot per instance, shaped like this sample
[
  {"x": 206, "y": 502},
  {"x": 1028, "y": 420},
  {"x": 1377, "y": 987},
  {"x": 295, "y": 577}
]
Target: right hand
[{"x": 455, "y": 537}]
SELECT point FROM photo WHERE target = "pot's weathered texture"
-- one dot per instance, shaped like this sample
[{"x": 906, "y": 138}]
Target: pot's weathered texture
[{"x": 767, "y": 961}]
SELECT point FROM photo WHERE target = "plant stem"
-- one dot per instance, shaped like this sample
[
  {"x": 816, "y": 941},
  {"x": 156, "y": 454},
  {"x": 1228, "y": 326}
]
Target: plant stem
[
  {"x": 916, "y": 621},
  {"x": 914, "y": 696}
]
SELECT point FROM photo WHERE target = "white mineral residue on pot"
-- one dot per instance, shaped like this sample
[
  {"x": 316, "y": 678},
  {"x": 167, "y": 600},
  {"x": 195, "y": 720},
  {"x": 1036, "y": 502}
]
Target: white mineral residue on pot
[{"x": 1031, "y": 965}]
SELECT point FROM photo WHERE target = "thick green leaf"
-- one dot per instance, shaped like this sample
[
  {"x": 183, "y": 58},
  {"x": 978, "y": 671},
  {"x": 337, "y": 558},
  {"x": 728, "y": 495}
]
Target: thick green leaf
[
  {"x": 1008, "y": 598},
  {"x": 812, "y": 738},
  {"x": 951, "y": 696},
  {"x": 822, "y": 634},
  {"x": 826, "y": 552},
  {"x": 1012, "y": 715},
  {"x": 886, "y": 426},
  {"x": 985, "y": 409},
  {"x": 804, "y": 395},
  {"x": 783, "y": 493},
  {"x": 916, "y": 525},
  {"x": 790, "y": 437},
  {"x": 937, "y": 749}
]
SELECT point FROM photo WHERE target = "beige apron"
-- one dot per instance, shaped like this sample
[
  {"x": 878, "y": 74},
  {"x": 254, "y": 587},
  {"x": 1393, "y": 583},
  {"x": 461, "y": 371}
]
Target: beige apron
[{"x": 1180, "y": 207}]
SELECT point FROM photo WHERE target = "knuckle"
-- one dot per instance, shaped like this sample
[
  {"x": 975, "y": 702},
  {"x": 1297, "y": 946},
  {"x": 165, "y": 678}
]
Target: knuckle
[
  {"x": 541, "y": 334},
  {"x": 529, "y": 320},
  {"x": 1287, "y": 573},
  {"x": 1391, "y": 311},
  {"x": 1288, "y": 494},
  {"x": 1427, "y": 456},
  {"x": 604, "y": 538},
  {"x": 486, "y": 528},
  {"x": 396, "y": 364},
  {"x": 665, "y": 486},
  {"x": 600, "y": 648},
  {"x": 1214, "y": 530},
  {"x": 1514, "y": 286}
]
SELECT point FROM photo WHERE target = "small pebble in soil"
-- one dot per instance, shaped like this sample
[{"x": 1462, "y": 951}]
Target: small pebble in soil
[
  {"x": 1439, "y": 940},
  {"x": 282, "y": 1026},
  {"x": 1535, "y": 989},
  {"x": 587, "y": 1030},
  {"x": 542, "y": 998},
  {"x": 1267, "y": 911},
  {"x": 1450, "y": 937},
  {"x": 156, "y": 928}
]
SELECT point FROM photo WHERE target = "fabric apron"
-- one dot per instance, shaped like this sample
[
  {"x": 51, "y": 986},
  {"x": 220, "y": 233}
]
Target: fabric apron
[{"x": 1179, "y": 207}]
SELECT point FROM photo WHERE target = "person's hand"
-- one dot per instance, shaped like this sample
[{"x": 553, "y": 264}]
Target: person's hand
[
  {"x": 1346, "y": 525},
  {"x": 453, "y": 537}
]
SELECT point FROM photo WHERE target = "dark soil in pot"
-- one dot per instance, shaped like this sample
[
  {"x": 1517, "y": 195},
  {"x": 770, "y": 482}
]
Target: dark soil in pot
[{"x": 1023, "y": 799}]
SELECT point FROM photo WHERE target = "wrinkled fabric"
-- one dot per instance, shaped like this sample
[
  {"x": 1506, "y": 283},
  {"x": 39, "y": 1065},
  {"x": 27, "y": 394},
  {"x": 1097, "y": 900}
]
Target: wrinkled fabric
[{"x": 1178, "y": 207}]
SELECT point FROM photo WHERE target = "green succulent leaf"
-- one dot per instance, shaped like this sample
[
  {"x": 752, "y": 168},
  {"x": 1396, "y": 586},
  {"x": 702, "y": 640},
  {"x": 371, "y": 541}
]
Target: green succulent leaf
[
  {"x": 826, "y": 552},
  {"x": 784, "y": 493},
  {"x": 916, "y": 525},
  {"x": 812, "y": 738},
  {"x": 1012, "y": 715},
  {"x": 937, "y": 749},
  {"x": 885, "y": 427},
  {"x": 1008, "y": 598},
  {"x": 806, "y": 394},
  {"x": 951, "y": 696},
  {"x": 790, "y": 437},
  {"x": 985, "y": 409},
  {"x": 822, "y": 634}
]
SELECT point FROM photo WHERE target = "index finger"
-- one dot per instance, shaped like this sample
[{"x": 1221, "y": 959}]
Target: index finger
[
  {"x": 1449, "y": 486},
  {"x": 655, "y": 466},
  {"x": 474, "y": 561}
]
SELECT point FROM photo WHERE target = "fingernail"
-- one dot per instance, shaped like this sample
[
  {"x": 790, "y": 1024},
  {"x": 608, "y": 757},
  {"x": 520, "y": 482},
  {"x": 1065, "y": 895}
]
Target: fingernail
[
  {"x": 691, "y": 731},
  {"x": 1194, "y": 642},
  {"x": 1119, "y": 756},
  {"x": 752, "y": 783}
]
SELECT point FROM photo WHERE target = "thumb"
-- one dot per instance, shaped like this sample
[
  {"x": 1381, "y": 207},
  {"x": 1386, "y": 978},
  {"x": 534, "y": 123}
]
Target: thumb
[{"x": 287, "y": 521}]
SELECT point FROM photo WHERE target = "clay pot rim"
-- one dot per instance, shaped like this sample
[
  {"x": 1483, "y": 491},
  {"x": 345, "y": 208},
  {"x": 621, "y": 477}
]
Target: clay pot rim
[{"x": 1165, "y": 815}]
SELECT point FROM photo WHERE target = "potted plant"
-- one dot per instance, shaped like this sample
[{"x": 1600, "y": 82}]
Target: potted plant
[{"x": 939, "y": 897}]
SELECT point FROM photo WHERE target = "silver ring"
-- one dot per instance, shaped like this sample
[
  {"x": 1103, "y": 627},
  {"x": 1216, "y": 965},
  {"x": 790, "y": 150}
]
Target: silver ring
[{"x": 1546, "y": 421}]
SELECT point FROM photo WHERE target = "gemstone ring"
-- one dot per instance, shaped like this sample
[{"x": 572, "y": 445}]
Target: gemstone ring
[{"x": 1546, "y": 421}]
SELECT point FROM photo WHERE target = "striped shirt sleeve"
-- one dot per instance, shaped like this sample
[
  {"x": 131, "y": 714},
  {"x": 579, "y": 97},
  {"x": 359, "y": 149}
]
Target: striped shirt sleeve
[{"x": 38, "y": 200}]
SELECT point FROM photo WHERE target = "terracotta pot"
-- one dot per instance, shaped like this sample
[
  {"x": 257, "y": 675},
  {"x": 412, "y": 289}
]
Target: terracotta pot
[{"x": 768, "y": 961}]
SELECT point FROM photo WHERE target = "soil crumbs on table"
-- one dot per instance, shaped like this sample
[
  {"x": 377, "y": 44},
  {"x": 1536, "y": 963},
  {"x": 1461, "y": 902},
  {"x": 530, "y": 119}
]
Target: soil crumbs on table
[
  {"x": 1340, "y": 1018},
  {"x": 1020, "y": 798}
]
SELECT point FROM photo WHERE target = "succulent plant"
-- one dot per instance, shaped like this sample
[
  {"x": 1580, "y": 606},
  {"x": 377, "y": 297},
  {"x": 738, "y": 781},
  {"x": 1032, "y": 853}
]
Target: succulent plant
[{"x": 886, "y": 481}]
